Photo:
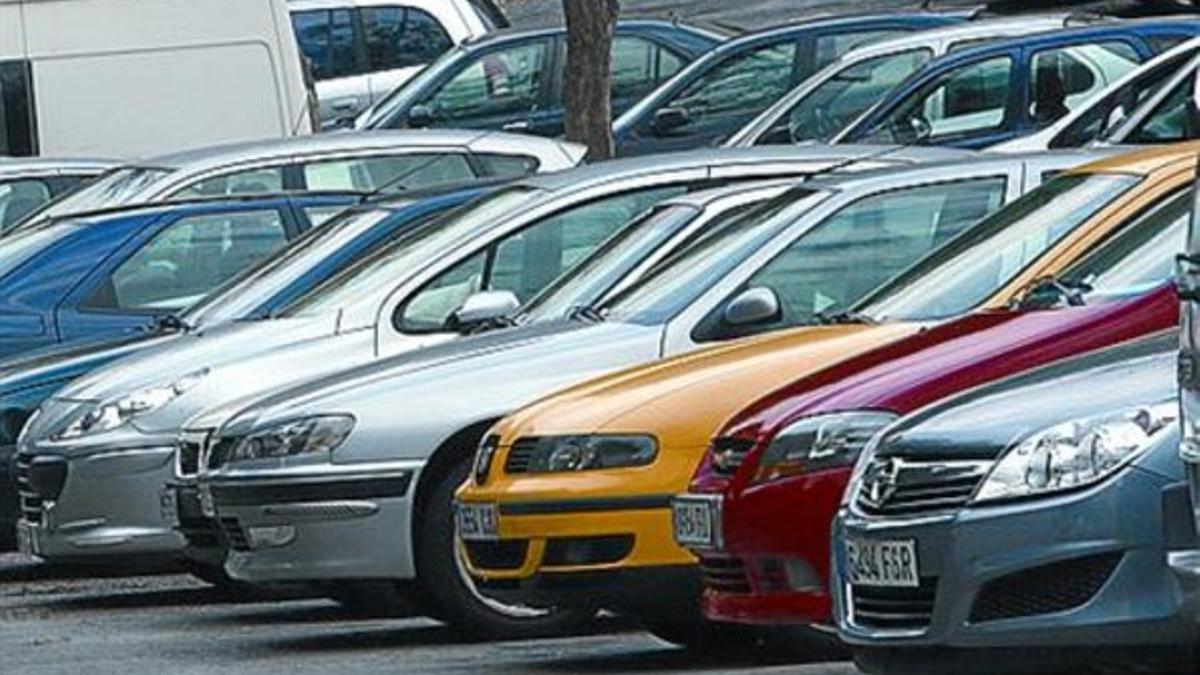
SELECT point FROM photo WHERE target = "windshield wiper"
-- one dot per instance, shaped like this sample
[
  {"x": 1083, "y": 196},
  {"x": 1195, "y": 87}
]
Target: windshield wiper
[
  {"x": 844, "y": 317},
  {"x": 586, "y": 313},
  {"x": 170, "y": 323}
]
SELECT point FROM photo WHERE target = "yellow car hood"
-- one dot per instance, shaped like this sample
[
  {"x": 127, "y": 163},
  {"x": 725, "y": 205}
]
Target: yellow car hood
[{"x": 683, "y": 400}]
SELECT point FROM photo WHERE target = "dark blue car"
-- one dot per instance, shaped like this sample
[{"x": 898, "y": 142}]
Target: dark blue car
[
  {"x": 256, "y": 293},
  {"x": 729, "y": 86},
  {"x": 987, "y": 95},
  {"x": 514, "y": 80}
]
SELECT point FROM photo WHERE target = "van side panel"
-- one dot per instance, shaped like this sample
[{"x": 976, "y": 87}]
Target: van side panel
[{"x": 125, "y": 78}]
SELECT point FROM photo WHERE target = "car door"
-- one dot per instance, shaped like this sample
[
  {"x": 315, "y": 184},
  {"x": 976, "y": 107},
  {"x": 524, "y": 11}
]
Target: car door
[
  {"x": 502, "y": 88},
  {"x": 172, "y": 264}
]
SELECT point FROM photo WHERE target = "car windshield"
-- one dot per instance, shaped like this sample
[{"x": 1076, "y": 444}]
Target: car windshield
[
  {"x": 676, "y": 283},
  {"x": 1138, "y": 259},
  {"x": 242, "y": 295},
  {"x": 382, "y": 113},
  {"x": 973, "y": 266},
  {"x": 114, "y": 188},
  {"x": 832, "y": 105},
  {"x": 587, "y": 282},
  {"x": 391, "y": 264}
]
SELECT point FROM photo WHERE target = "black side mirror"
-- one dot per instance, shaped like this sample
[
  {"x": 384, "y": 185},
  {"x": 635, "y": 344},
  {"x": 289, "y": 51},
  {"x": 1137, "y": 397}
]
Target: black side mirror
[
  {"x": 667, "y": 120},
  {"x": 420, "y": 116}
]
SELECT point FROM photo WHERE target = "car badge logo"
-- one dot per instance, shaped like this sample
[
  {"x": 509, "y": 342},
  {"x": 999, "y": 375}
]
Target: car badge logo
[{"x": 882, "y": 484}]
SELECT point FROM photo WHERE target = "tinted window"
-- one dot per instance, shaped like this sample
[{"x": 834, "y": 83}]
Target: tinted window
[
  {"x": 740, "y": 85},
  {"x": 326, "y": 37},
  {"x": 506, "y": 165},
  {"x": 17, "y": 127},
  {"x": 972, "y": 267},
  {"x": 637, "y": 67},
  {"x": 258, "y": 181},
  {"x": 399, "y": 38},
  {"x": 838, "y": 101},
  {"x": 971, "y": 99},
  {"x": 830, "y": 48},
  {"x": 1175, "y": 119},
  {"x": 500, "y": 83},
  {"x": 19, "y": 198},
  {"x": 868, "y": 242},
  {"x": 393, "y": 174},
  {"x": 1064, "y": 77},
  {"x": 189, "y": 258}
]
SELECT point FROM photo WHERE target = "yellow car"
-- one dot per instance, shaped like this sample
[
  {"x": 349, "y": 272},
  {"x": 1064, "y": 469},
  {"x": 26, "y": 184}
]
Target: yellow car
[{"x": 577, "y": 486}]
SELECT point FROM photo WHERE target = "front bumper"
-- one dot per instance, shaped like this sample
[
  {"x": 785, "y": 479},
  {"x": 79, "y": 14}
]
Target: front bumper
[
  {"x": 329, "y": 522},
  {"x": 1084, "y": 570},
  {"x": 109, "y": 507}
]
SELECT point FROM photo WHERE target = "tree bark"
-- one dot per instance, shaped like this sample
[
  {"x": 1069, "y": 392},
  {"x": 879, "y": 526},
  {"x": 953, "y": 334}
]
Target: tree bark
[{"x": 587, "y": 84}]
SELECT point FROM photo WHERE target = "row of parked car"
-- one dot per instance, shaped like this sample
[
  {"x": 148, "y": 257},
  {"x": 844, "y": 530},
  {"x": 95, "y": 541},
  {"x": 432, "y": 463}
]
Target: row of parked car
[{"x": 847, "y": 384}]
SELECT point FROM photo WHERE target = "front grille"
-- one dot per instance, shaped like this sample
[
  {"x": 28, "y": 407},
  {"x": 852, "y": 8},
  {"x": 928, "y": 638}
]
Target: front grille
[
  {"x": 31, "y": 501},
  {"x": 188, "y": 452},
  {"x": 1049, "y": 589},
  {"x": 234, "y": 534},
  {"x": 217, "y": 452},
  {"x": 498, "y": 555},
  {"x": 564, "y": 552},
  {"x": 894, "y": 608},
  {"x": 724, "y": 574},
  {"x": 894, "y": 487},
  {"x": 728, "y": 453},
  {"x": 520, "y": 455}
]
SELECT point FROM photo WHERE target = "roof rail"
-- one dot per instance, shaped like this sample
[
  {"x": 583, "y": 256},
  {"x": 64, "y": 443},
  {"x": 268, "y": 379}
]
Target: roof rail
[{"x": 971, "y": 13}]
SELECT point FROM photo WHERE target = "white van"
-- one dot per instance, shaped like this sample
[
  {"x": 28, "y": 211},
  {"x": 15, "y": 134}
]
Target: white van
[{"x": 131, "y": 78}]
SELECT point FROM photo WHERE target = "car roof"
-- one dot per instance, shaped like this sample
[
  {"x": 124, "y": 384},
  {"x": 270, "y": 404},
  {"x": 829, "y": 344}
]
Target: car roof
[
  {"x": 1146, "y": 161},
  {"x": 626, "y": 26},
  {"x": 979, "y": 29},
  {"x": 824, "y": 21},
  {"x": 10, "y": 166},
  {"x": 206, "y": 205}
]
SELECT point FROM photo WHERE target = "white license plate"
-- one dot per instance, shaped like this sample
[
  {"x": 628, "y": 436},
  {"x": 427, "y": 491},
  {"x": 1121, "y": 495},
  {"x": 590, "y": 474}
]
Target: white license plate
[
  {"x": 885, "y": 564},
  {"x": 27, "y": 541},
  {"x": 695, "y": 521},
  {"x": 168, "y": 504},
  {"x": 477, "y": 521}
]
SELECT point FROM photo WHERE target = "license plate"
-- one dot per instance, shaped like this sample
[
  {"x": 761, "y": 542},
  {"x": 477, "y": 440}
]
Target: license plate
[
  {"x": 168, "y": 505},
  {"x": 695, "y": 521},
  {"x": 885, "y": 564},
  {"x": 477, "y": 521},
  {"x": 27, "y": 541}
]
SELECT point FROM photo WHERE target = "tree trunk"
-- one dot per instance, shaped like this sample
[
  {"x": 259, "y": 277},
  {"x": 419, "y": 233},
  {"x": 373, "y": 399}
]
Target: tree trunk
[{"x": 587, "y": 84}]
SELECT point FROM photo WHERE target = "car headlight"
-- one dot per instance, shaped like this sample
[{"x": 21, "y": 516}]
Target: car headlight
[
  {"x": 484, "y": 457},
  {"x": 115, "y": 413},
  {"x": 555, "y": 454},
  {"x": 318, "y": 434},
  {"x": 820, "y": 443},
  {"x": 1077, "y": 453}
]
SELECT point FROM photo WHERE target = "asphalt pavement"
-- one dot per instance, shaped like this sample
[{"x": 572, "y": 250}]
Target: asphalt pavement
[{"x": 71, "y": 622}]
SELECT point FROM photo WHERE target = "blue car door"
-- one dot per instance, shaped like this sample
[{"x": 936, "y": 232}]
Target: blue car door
[{"x": 172, "y": 263}]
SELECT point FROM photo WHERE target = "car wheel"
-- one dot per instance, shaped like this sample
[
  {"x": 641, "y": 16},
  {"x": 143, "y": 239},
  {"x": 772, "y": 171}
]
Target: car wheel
[{"x": 451, "y": 595}]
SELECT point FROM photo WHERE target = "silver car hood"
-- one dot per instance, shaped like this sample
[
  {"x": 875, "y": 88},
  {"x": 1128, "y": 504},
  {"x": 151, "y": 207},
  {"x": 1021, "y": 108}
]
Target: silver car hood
[{"x": 406, "y": 405}]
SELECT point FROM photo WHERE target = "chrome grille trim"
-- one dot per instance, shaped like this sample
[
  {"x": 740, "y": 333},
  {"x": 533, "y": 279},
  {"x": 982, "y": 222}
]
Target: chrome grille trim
[
  {"x": 189, "y": 450},
  {"x": 903, "y": 488},
  {"x": 31, "y": 503}
]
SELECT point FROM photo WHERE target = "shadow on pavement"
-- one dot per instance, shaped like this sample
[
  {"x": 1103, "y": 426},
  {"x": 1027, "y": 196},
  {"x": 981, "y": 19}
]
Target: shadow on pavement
[
  {"x": 667, "y": 658},
  {"x": 132, "y": 598},
  {"x": 14, "y": 568}
]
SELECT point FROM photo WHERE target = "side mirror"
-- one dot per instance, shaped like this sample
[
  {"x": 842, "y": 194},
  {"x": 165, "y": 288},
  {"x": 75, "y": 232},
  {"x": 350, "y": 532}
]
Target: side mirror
[
  {"x": 751, "y": 306},
  {"x": 1115, "y": 117},
  {"x": 667, "y": 120},
  {"x": 483, "y": 308},
  {"x": 420, "y": 116}
]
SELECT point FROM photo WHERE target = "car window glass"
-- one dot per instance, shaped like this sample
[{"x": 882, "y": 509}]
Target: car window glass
[
  {"x": 740, "y": 85},
  {"x": 971, "y": 99},
  {"x": 343, "y": 59},
  {"x": 399, "y": 37},
  {"x": 189, "y": 258},
  {"x": 636, "y": 69},
  {"x": 319, "y": 215},
  {"x": 973, "y": 266},
  {"x": 1063, "y": 78},
  {"x": 394, "y": 172},
  {"x": 1174, "y": 119},
  {"x": 326, "y": 38},
  {"x": 430, "y": 309},
  {"x": 17, "y": 130},
  {"x": 503, "y": 82},
  {"x": 114, "y": 188},
  {"x": 258, "y": 181},
  {"x": 838, "y": 101},
  {"x": 506, "y": 166},
  {"x": 868, "y": 242},
  {"x": 19, "y": 198},
  {"x": 832, "y": 47}
]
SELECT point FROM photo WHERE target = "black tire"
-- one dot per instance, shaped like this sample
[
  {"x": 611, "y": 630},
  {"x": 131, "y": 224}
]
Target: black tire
[{"x": 449, "y": 595}]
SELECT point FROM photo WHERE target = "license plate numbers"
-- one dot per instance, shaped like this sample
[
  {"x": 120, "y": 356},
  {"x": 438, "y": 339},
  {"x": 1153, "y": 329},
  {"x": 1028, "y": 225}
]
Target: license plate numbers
[
  {"x": 694, "y": 522},
  {"x": 477, "y": 521},
  {"x": 168, "y": 504},
  {"x": 884, "y": 564},
  {"x": 27, "y": 542}
]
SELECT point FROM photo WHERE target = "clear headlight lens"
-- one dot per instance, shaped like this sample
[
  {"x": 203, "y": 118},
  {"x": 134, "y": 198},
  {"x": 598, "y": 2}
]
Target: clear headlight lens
[
  {"x": 115, "y": 413},
  {"x": 318, "y": 434},
  {"x": 820, "y": 443},
  {"x": 484, "y": 457},
  {"x": 556, "y": 454},
  {"x": 1077, "y": 453}
]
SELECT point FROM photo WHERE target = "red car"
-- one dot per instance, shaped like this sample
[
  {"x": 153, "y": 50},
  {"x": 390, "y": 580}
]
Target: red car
[{"x": 768, "y": 561}]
